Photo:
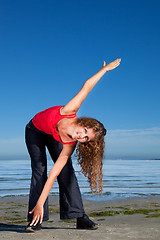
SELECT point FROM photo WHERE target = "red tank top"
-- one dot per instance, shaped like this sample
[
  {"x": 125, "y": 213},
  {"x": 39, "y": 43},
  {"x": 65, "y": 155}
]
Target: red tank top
[{"x": 47, "y": 120}]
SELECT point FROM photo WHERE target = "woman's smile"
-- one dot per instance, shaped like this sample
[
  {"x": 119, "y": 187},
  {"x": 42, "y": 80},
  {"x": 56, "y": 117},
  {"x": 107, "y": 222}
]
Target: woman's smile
[{"x": 83, "y": 134}]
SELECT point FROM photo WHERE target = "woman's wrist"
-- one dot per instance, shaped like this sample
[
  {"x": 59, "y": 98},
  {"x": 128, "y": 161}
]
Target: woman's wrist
[
  {"x": 104, "y": 69},
  {"x": 39, "y": 203}
]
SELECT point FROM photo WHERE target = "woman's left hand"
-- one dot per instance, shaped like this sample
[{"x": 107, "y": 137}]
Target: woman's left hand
[
  {"x": 37, "y": 215},
  {"x": 112, "y": 65}
]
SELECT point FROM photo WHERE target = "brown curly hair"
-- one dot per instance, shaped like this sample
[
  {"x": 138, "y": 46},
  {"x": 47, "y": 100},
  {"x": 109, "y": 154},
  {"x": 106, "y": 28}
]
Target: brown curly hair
[{"x": 90, "y": 154}]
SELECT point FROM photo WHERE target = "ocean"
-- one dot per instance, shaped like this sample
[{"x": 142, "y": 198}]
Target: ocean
[{"x": 121, "y": 179}]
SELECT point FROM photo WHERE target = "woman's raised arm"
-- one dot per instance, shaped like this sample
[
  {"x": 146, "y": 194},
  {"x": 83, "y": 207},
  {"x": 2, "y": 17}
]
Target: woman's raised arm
[{"x": 74, "y": 104}]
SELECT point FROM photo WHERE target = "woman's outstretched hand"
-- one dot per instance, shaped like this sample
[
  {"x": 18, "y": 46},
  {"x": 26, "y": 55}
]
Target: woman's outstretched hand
[
  {"x": 37, "y": 215},
  {"x": 112, "y": 65}
]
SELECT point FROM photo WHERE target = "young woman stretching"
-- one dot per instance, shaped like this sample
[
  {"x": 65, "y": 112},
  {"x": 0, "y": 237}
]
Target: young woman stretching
[{"x": 59, "y": 129}]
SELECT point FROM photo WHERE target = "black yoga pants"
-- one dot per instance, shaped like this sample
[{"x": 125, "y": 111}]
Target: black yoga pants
[{"x": 71, "y": 205}]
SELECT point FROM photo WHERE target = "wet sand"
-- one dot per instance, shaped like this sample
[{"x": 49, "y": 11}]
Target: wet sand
[{"x": 135, "y": 218}]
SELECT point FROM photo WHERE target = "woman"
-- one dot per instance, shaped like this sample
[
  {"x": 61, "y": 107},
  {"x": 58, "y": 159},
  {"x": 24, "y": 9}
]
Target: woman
[{"x": 59, "y": 129}]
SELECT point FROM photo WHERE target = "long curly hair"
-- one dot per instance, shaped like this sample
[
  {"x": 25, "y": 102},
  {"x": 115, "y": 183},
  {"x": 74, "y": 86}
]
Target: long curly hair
[{"x": 90, "y": 154}]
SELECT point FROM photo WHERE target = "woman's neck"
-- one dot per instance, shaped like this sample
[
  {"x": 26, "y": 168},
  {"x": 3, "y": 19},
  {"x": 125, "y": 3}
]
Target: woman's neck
[{"x": 65, "y": 129}]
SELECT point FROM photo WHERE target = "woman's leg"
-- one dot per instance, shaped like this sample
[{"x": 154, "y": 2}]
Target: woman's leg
[
  {"x": 71, "y": 205},
  {"x": 35, "y": 141}
]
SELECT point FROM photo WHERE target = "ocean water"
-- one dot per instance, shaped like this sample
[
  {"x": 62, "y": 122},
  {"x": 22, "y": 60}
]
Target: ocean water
[{"x": 122, "y": 179}]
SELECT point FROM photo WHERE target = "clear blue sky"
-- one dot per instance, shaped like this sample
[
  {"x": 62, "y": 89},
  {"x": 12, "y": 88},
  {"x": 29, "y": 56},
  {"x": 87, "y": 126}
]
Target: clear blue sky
[{"x": 49, "y": 48}]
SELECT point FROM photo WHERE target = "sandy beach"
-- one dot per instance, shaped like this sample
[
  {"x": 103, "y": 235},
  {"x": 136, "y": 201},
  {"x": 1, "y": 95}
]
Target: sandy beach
[{"x": 135, "y": 218}]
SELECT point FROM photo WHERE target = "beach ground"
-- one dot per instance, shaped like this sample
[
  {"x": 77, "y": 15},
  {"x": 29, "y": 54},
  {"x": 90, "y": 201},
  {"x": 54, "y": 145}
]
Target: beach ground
[{"x": 136, "y": 218}]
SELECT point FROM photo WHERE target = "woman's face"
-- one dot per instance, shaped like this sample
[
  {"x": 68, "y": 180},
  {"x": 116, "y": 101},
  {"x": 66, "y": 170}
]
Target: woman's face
[{"x": 83, "y": 134}]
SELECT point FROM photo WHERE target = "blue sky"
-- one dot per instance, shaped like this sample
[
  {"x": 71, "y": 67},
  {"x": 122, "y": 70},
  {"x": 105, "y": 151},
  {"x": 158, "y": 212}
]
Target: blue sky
[{"x": 49, "y": 48}]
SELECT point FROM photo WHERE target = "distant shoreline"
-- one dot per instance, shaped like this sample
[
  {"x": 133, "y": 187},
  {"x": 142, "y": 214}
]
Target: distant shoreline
[
  {"x": 9, "y": 158},
  {"x": 116, "y": 199}
]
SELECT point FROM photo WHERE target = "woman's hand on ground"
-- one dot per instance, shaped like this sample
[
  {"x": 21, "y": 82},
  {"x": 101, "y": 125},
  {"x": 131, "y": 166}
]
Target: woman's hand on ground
[
  {"x": 112, "y": 65},
  {"x": 37, "y": 215}
]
